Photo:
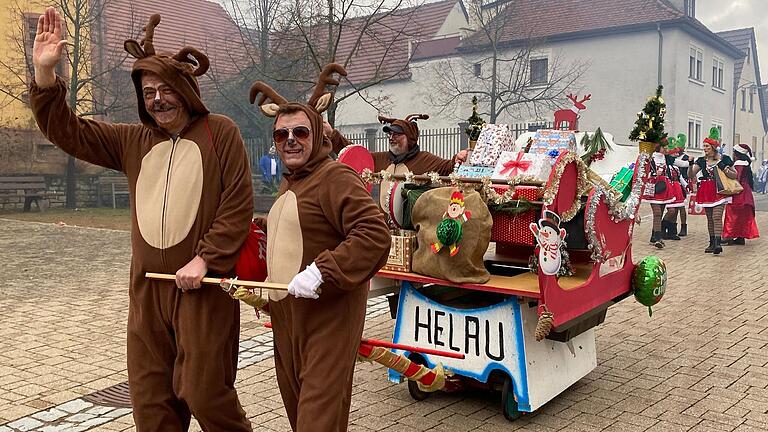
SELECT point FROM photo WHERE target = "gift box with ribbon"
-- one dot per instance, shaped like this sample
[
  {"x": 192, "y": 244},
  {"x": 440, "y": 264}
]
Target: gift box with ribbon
[
  {"x": 512, "y": 164},
  {"x": 547, "y": 140},
  {"x": 493, "y": 139},
  {"x": 622, "y": 182}
]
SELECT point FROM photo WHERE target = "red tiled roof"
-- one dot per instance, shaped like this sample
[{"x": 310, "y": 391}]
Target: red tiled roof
[
  {"x": 198, "y": 23},
  {"x": 441, "y": 47},
  {"x": 545, "y": 18},
  {"x": 383, "y": 51}
]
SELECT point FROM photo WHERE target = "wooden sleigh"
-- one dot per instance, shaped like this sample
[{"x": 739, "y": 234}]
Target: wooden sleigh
[{"x": 533, "y": 371}]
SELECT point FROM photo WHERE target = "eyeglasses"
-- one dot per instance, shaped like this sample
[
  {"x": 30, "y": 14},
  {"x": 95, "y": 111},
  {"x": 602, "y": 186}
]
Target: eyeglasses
[
  {"x": 299, "y": 132},
  {"x": 151, "y": 92}
]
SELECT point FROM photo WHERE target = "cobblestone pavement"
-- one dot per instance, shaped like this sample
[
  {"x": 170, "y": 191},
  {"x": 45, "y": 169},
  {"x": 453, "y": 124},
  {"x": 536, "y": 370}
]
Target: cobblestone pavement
[{"x": 699, "y": 364}]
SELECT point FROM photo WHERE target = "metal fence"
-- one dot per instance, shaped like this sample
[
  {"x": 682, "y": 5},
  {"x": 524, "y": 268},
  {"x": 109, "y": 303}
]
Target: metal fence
[{"x": 444, "y": 142}]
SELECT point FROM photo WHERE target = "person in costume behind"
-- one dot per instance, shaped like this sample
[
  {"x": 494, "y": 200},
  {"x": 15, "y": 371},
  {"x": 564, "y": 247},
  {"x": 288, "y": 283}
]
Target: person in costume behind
[
  {"x": 191, "y": 201},
  {"x": 678, "y": 175},
  {"x": 326, "y": 240},
  {"x": 404, "y": 153},
  {"x": 706, "y": 189},
  {"x": 740, "y": 213},
  {"x": 661, "y": 194}
]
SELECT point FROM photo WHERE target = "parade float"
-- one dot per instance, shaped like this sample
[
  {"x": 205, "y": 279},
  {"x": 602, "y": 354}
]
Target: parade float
[{"x": 513, "y": 260}]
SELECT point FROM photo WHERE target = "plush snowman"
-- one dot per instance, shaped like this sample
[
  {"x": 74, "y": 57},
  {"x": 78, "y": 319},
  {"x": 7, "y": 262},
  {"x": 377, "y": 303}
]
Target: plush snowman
[{"x": 549, "y": 236}]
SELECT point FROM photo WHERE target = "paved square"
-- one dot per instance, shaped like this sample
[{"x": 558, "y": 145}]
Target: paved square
[{"x": 699, "y": 364}]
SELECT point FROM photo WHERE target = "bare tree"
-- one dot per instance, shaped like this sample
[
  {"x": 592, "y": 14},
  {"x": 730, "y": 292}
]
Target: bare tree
[
  {"x": 509, "y": 77},
  {"x": 87, "y": 69},
  {"x": 292, "y": 40}
]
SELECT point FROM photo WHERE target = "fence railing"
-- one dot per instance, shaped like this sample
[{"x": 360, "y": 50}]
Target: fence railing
[{"x": 444, "y": 142}]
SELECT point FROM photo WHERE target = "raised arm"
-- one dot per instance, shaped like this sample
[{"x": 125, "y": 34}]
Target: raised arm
[{"x": 95, "y": 142}]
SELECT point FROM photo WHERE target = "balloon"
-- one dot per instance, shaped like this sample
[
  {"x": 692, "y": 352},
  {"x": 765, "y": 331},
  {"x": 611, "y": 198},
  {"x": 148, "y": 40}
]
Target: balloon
[{"x": 649, "y": 281}]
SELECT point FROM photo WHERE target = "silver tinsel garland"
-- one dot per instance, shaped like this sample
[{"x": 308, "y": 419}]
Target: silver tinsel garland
[{"x": 619, "y": 211}]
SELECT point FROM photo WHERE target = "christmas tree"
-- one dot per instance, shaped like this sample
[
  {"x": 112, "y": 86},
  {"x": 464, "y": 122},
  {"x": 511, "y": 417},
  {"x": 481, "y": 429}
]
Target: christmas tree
[
  {"x": 476, "y": 123},
  {"x": 650, "y": 121}
]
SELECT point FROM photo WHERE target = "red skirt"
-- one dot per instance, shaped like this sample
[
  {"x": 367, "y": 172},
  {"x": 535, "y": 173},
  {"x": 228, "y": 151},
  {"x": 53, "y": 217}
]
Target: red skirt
[
  {"x": 664, "y": 197},
  {"x": 740, "y": 222},
  {"x": 678, "y": 194},
  {"x": 707, "y": 195}
]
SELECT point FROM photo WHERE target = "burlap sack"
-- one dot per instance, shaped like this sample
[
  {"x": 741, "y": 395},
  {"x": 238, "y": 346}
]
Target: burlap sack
[{"x": 467, "y": 265}]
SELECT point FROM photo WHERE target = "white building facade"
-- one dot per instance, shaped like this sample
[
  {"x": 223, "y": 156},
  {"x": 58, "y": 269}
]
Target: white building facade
[{"x": 622, "y": 67}]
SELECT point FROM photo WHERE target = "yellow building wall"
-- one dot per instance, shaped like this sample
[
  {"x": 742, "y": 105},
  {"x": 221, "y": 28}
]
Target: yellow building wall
[
  {"x": 14, "y": 114},
  {"x": 22, "y": 148}
]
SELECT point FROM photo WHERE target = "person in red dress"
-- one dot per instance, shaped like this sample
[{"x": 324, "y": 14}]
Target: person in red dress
[
  {"x": 740, "y": 213},
  {"x": 677, "y": 164},
  {"x": 659, "y": 192},
  {"x": 706, "y": 188}
]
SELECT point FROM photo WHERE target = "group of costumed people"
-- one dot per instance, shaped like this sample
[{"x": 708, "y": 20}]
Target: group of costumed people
[
  {"x": 674, "y": 174},
  {"x": 192, "y": 209}
]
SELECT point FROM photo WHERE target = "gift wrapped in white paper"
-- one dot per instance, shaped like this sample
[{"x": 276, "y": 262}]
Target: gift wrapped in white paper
[
  {"x": 547, "y": 140},
  {"x": 513, "y": 164},
  {"x": 493, "y": 139}
]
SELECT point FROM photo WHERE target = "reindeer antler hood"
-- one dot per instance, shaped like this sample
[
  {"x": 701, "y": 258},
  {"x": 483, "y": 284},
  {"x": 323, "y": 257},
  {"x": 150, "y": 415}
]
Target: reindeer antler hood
[
  {"x": 180, "y": 71},
  {"x": 408, "y": 126},
  {"x": 272, "y": 104}
]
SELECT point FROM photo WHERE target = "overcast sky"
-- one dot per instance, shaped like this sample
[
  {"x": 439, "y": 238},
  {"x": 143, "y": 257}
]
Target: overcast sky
[{"x": 721, "y": 15}]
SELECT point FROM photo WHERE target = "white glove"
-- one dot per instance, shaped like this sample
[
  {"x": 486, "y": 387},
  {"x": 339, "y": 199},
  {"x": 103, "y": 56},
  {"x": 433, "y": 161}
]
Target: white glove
[{"x": 305, "y": 284}]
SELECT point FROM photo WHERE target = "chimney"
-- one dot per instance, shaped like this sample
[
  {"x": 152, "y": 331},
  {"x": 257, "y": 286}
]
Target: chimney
[{"x": 687, "y": 6}]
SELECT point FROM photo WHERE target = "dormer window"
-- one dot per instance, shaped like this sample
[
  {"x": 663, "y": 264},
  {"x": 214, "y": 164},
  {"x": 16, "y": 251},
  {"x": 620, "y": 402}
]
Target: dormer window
[{"x": 690, "y": 8}]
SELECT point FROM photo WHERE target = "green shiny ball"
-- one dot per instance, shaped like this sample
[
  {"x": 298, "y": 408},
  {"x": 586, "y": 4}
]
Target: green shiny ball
[
  {"x": 449, "y": 231},
  {"x": 649, "y": 281}
]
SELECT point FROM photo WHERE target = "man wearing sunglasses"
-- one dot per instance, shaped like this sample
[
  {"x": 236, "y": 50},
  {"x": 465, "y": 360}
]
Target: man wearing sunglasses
[
  {"x": 326, "y": 239},
  {"x": 192, "y": 203}
]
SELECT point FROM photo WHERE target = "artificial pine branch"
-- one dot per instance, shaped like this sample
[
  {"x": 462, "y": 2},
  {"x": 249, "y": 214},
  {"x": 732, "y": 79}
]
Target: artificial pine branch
[{"x": 649, "y": 125}]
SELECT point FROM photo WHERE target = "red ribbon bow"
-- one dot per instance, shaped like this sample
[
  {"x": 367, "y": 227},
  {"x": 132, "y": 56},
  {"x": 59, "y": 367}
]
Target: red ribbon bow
[{"x": 513, "y": 166}]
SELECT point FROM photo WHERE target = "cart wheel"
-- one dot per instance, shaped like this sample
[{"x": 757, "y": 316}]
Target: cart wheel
[
  {"x": 508, "y": 404},
  {"x": 413, "y": 388}
]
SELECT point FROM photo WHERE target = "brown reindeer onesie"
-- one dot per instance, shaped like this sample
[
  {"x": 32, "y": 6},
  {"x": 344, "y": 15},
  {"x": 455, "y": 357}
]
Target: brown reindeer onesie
[
  {"x": 190, "y": 195},
  {"x": 336, "y": 225},
  {"x": 415, "y": 161}
]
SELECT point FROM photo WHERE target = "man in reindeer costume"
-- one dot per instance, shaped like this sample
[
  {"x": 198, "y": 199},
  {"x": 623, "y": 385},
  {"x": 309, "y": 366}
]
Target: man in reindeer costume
[
  {"x": 191, "y": 202},
  {"x": 404, "y": 154},
  {"x": 325, "y": 239}
]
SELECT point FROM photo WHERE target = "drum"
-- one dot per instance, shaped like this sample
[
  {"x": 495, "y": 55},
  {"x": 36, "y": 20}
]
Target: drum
[
  {"x": 395, "y": 202},
  {"x": 358, "y": 158}
]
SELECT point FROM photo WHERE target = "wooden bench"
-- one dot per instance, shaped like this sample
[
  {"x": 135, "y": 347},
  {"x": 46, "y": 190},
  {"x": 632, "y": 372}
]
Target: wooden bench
[
  {"x": 113, "y": 186},
  {"x": 32, "y": 188}
]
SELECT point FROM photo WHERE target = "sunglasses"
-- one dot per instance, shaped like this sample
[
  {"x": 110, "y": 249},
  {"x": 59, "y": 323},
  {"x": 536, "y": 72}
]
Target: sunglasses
[{"x": 299, "y": 132}]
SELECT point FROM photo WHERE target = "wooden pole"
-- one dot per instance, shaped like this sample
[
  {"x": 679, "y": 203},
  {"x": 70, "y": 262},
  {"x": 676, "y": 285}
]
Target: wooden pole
[{"x": 218, "y": 281}]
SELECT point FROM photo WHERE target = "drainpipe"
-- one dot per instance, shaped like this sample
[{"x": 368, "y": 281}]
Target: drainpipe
[{"x": 661, "y": 48}]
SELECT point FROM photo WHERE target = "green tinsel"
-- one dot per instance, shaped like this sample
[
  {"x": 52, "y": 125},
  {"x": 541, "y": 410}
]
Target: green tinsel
[{"x": 514, "y": 207}]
